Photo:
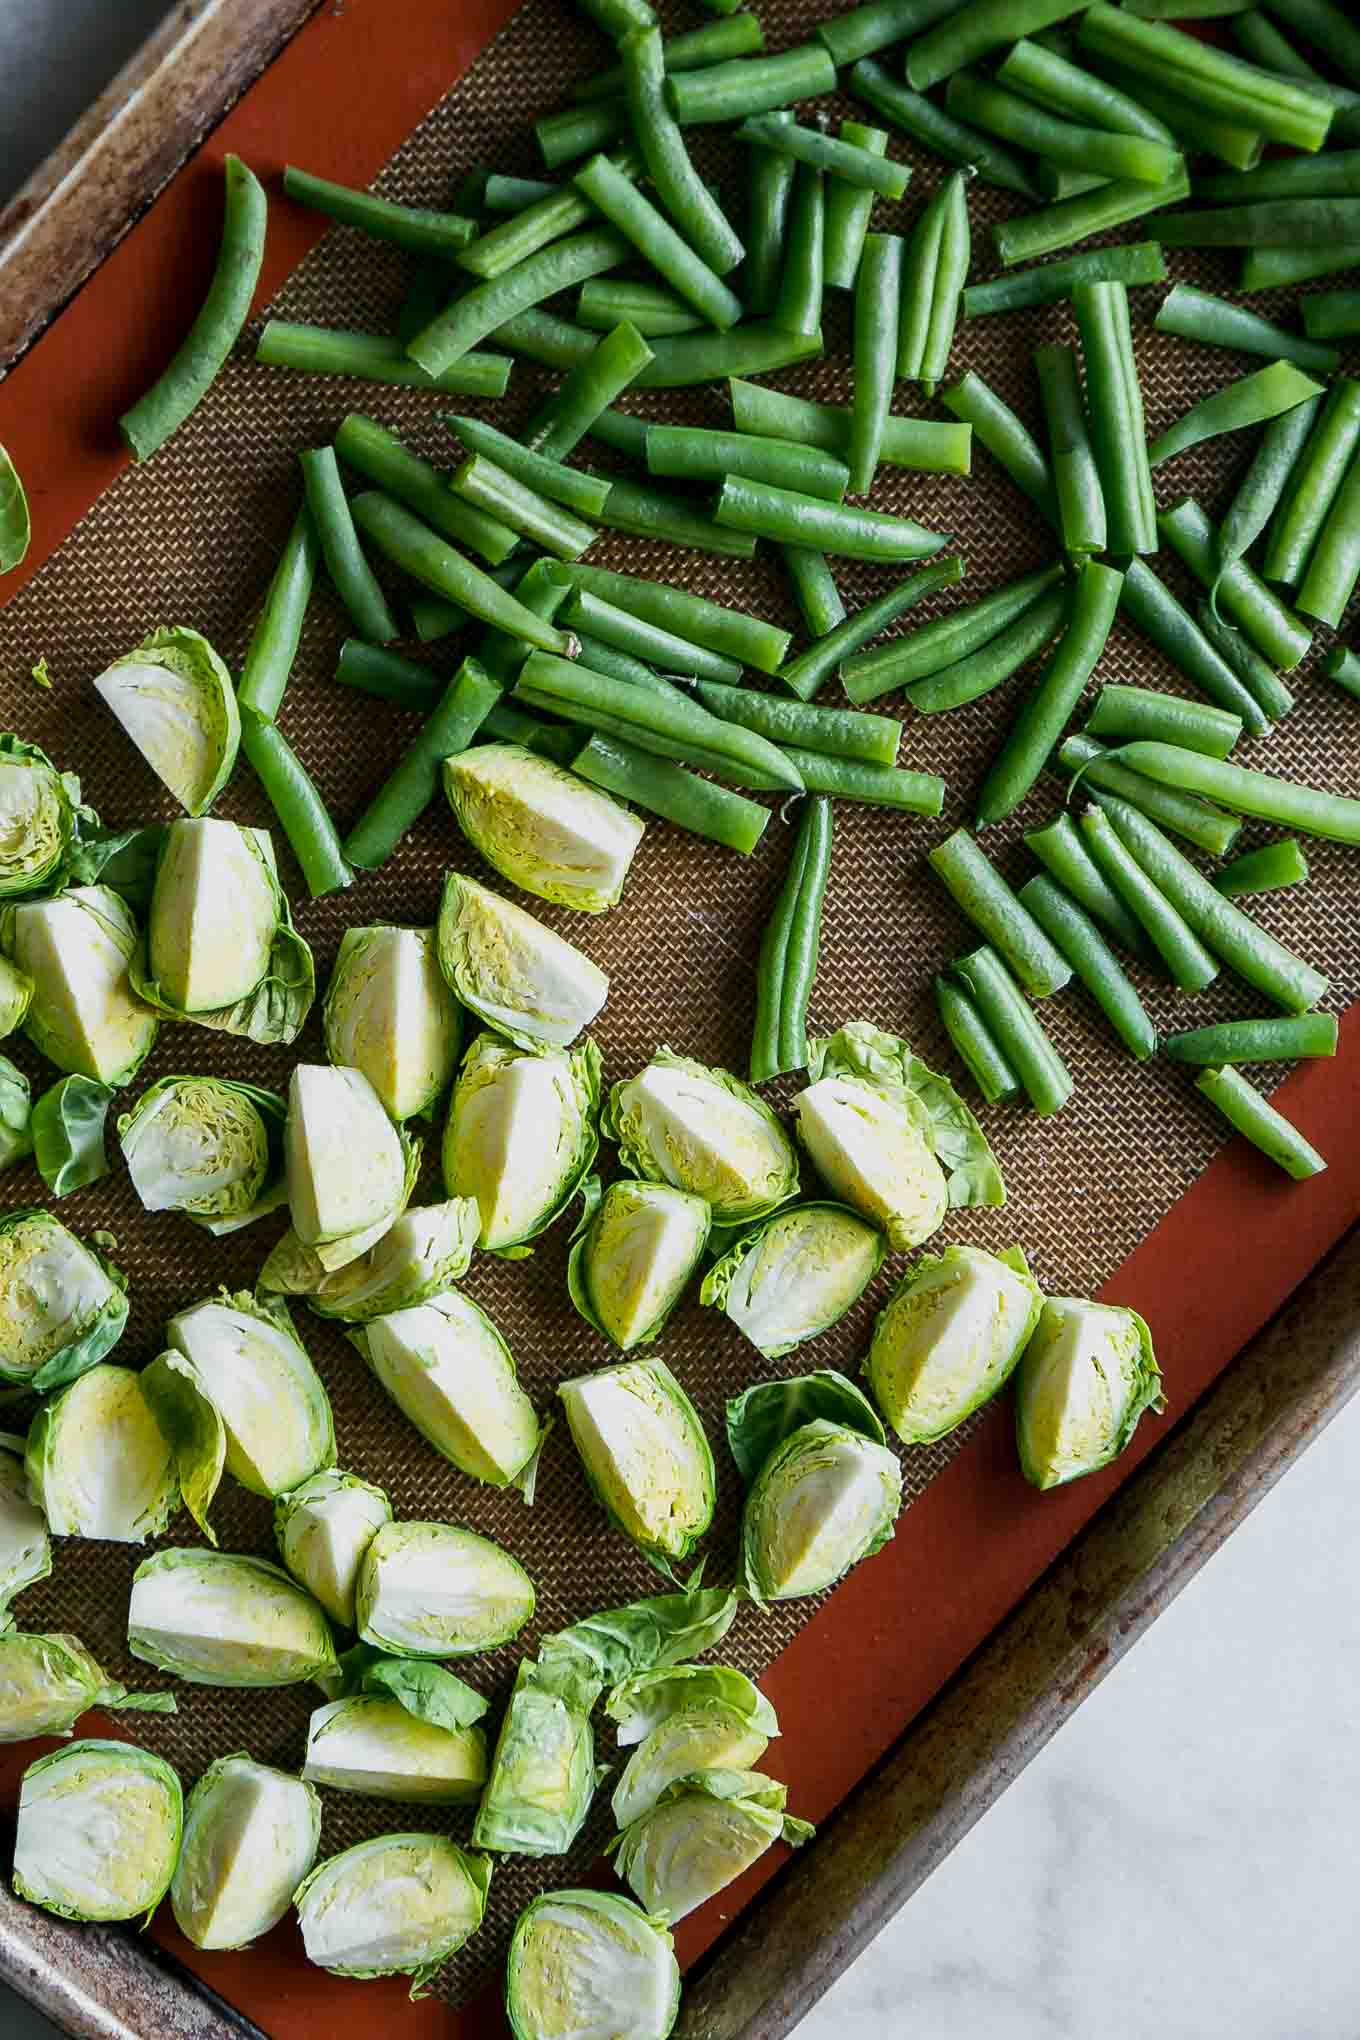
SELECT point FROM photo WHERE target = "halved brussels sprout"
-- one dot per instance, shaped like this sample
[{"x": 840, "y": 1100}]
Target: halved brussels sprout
[
  {"x": 449, "y": 1371},
  {"x": 174, "y": 699},
  {"x": 541, "y": 827},
  {"x": 689, "y": 1718},
  {"x": 634, "y": 1251},
  {"x": 16, "y": 1114},
  {"x": 824, "y": 1490},
  {"x": 345, "y": 1163},
  {"x": 511, "y": 971},
  {"x": 25, "y": 1548},
  {"x": 645, "y": 1455},
  {"x": 589, "y": 1963},
  {"x": 62, "y": 1305},
  {"x": 422, "y": 1253},
  {"x": 48, "y": 1682},
  {"x": 216, "y": 1619},
  {"x": 389, "y": 1014},
  {"x": 890, "y": 1137},
  {"x": 1085, "y": 1379},
  {"x": 795, "y": 1275},
  {"x": 206, "y": 1147},
  {"x": 323, "y": 1529},
  {"x": 86, "y": 1014},
  {"x": 98, "y": 1463},
  {"x": 432, "y": 1590},
  {"x": 242, "y": 1355},
  {"x": 251, "y": 1834},
  {"x": 99, "y": 1831},
  {"x": 523, "y": 1129},
  {"x": 16, "y": 996},
  {"x": 704, "y": 1131},
  {"x": 703, "y": 1832},
  {"x": 543, "y": 1774},
  {"x": 39, "y": 807},
  {"x": 370, "y": 1744},
  {"x": 948, "y": 1338},
  {"x": 396, "y": 1906}
]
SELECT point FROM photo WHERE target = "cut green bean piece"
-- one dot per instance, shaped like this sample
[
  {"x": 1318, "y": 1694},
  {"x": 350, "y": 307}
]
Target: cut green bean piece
[
  {"x": 1152, "y": 606},
  {"x": 939, "y": 132},
  {"x": 420, "y": 552},
  {"x": 1314, "y": 482},
  {"x": 1334, "y": 563},
  {"x": 1189, "y": 963},
  {"x": 1078, "y": 218},
  {"x": 869, "y": 169},
  {"x": 848, "y": 207},
  {"x": 625, "y": 433},
  {"x": 579, "y": 130},
  {"x": 490, "y": 489},
  {"x": 1251, "y": 400},
  {"x": 1184, "y": 814},
  {"x": 1328, "y": 28},
  {"x": 1115, "y": 402},
  {"x": 945, "y": 642},
  {"x": 380, "y": 456},
  {"x": 274, "y": 640},
  {"x": 692, "y": 454},
  {"x": 769, "y": 183},
  {"x": 974, "y": 1043},
  {"x": 749, "y": 640},
  {"x": 351, "y": 576},
  {"x": 878, "y": 296},
  {"x": 749, "y": 85},
  {"x": 791, "y": 518},
  {"x": 1332, "y": 315},
  {"x": 1343, "y": 666},
  {"x": 683, "y": 193},
  {"x": 1248, "y": 792},
  {"x": 1257, "y": 1119},
  {"x": 1098, "y": 152},
  {"x": 301, "y": 812},
  {"x": 873, "y": 27},
  {"x": 1076, "y": 479},
  {"x": 1269, "y": 869},
  {"x": 1260, "y": 490},
  {"x": 1052, "y": 80},
  {"x": 612, "y": 364},
  {"x": 651, "y": 234},
  {"x": 1016, "y": 1031},
  {"x": 935, "y": 270},
  {"x": 974, "y": 30},
  {"x": 756, "y": 347},
  {"x": 798, "y": 302},
  {"x": 737, "y": 35},
  {"x": 524, "y": 233},
  {"x": 614, "y": 664},
  {"x": 993, "y": 663},
  {"x": 1260, "y": 680},
  {"x": 1076, "y": 936},
  {"x": 788, "y": 951},
  {"x": 1281, "y": 109},
  {"x": 914, "y": 793},
  {"x": 1007, "y": 440},
  {"x": 1287, "y": 222},
  {"x": 1275, "y": 631},
  {"x": 1278, "y": 268},
  {"x": 1292, "y": 1037},
  {"x": 542, "y": 588},
  {"x": 839, "y": 732},
  {"x": 1198, "y": 315},
  {"x": 657, "y": 646},
  {"x": 805, "y": 674},
  {"x": 372, "y": 357},
  {"x": 667, "y": 789},
  {"x": 609, "y": 301},
  {"x": 417, "y": 228},
  {"x": 907, "y": 442},
  {"x": 490, "y": 305},
  {"x": 1139, "y": 262},
  {"x": 407, "y": 792},
  {"x": 585, "y": 494},
  {"x": 544, "y": 337},
  {"x": 814, "y": 589},
  {"x": 493, "y": 193},
  {"x": 1060, "y": 849},
  {"x": 1121, "y": 713},
  {"x": 1335, "y": 174},
  {"x": 1195, "y": 126},
  {"x": 651, "y": 513},
  {"x": 982, "y": 894}
]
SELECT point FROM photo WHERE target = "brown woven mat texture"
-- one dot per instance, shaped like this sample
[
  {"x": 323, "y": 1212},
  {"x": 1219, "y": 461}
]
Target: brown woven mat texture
[{"x": 192, "y": 538}]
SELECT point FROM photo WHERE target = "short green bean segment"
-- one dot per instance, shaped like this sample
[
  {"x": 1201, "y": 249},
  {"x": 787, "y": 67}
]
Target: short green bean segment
[
  {"x": 868, "y": 169},
  {"x": 935, "y": 270},
  {"x": 939, "y": 132},
  {"x": 374, "y": 357},
  {"x": 489, "y": 305},
  {"x": 1007, "y": 440},
  {"x": 769, "y": 193},
  {"x": 658, "y": 646},
  {"x": 839, "y": 732},
  {"x": 1050, "y": 78},
  {"x": 302, "y": 813},
  {"x": 993, "y": 663},
  {"x": 652, "y": 310},
  {"x": 1260, "y": 490},
  {"x": 381, "y": 458},
  {"x": 1072, "y": 931},
  {"x": 585, "y": 494},
  {"x": 416, "y": 228},
  {"x": 1086, "y": 213},
  {"x": 804, "y": 675},
  {"x": 1153, "y": 607},
  {"x": 1257, "y": 1119},
  {"x": 1197, "y": 315},
  {"x": 848, "y": 207},
  {"x": 693, "y": 454},
  {"x": 1138, "y": 262},
  {"x": 587, "y": 392},
  {"x": 974, "y": 30},
  {"x": 974, "y": 1043},
  {"x": 1252, "y": 400},
  {"x": 945, "y": 642},
  {"x": 1290, "y": 1037},
  {"x": 1076, "y": 478},
  {"x": 1121, "y": 712},
  {"x": 1115, "y": 402},
  {"x": 798, "y": 301},
  {"x": 1099, "y": 151},
  {"x": 1278, "y": 268},
  {"x": 644, "y": 512},
  {"x": 876, "y": 24},
  {"x": 1016, "y": 1031},
  {"x": 1060, "y": 849},
  {"x": 420, "y": 552},
  {"x": 790, "y": 517},
  {"x": 878, "y": 292},
  {"x": 274, "y": 640},
  {"x": 1332, "y": 315},
  {"x": 1189, "y": 963},
  {"x": 1279, "y": 635},
  {"x": 351, "y": 576},
  {"x": 788, "y": 950},
  {"x": 1246, "y": 791},
  {"x": 735, "y": 35},
  {"x": 1343, "y": 666},
  {"x": 1184, "y": 814},
  {"x": 567, "y": 136},
  {"x": 407, "y": 792},
  {"x": 1334, "y": 563},
  {"x": 755, "y": 347},
  {"x": 814, "y": 589},
  {"x": 479, "y": 481},
  {"x": 982, "y": 894},
  {"x": 890, "y": 786},
  {"x": 658, "y": 242},
  {"x": 750, "y": 85},
  {"x": 667, "y": 789},
  {"x": 1313, "y": 483},
  {"x": 1283, "y": 222},
  {"x": 1269, "y": 869},
  {"x": 918, "y": 443}
]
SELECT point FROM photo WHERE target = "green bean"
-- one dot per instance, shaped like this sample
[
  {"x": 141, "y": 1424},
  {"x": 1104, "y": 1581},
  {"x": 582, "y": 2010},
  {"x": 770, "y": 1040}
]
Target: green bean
[
  {"x": 217, "y": 325},
  {"x": 659, "y": 647},
  {"x": 1251, "y": 400},
  {"x": 1294, "y": 223},
  {"x": 1182, "y": 10},
  {"x": 1332, "y": 315},
  {"x": 626, "y": 434},
  {"x": 1293, "y": 1038},
  {"x": 791, "y": 518},
  {"x": 739, "y": 35},
  {"x": 1343, "y": 666},
  {"x": 497, "y": 194},
  {"x": 769, "y": 181},
  {"x": 432, "y": 618},
  {"x": 1196, "y": 315},
  {"x": 651, "y": 234},
  {"x": 1261, "y": 488},
  {"x": 878, "y": 295},
  {"x": 351, "y": 576},
  {"x": 1334, "y": 563},
  {"x": 1059, "y": 184},
  {"x": 380, "y": 456},
  {"x": 868, "y": 169},
  {"x": 975, "y": 29},
  {"x": 983, "y": 896},
  {"x": 693, "y": 454},
  {"x": 947, "y": 641},
  {"x": 756, "y": 347},
  {"x": 1278, "y": 268},
  {"x": 1139, "y": 262},
  {"x": 608, "y": 301},
  {"x": 798, "y": 303},
  {"x": 419, "y": 552},
  {"x": 300, "y": 809},
  {"x": 1275, "y": 631},
  {"x": 614, "y": 664},
  {"x": 668, "y": 790},
  {"x": 770, "y": 964},
  {"x": 1332, "y": 175},
  {"x": 935, "y": 270},
  {"x": 388, "y": 676},
  {"x": 993, "y": 663},
  {"x": 1016, "y": 1031},
  {"x": 408, "y": 790},
  {"x": 814, "y": 589},
  {"x": 1053, "y": 81},
  {"x": 1079, "y": 940},
  {"x": 1076, "y": 482},
  {"x": 683, "y": 193},
  {"x": 489, "y": 488},
  {"x": 1249, "y": 792},
  {"x": 805, "y": 674},
  {"x": 1116, "y": 406},
  {"x": 837, "y": 732},
  {"x": 1233, "y": 140},
  {"x": 1077, "y": 219},
  {"x": 937, "y": 131},
  {"x": 1269, "y": 869},
  {"x": 749, "y": 640},
  {"x": 848, "y": 207},
  {"x": 1314, "y": 483},
  {"x": 892, "y": 786},
  {"x": 800, "y": 961},
  {"x": 618, "y": 18},
  {"x": 1040, "y": 722},
  {"x": 544, "y": 337},
  {"x": 907, "y": 442},
  {"x": 1329, "y": 29},
  {"x": 1123, "y": 712},
  {"x": 1189, "y": 963},
  {"x": 1261, "y": 680},
  {"x": 1007, "y": 440},
  {"x": 1097, "y": 151},
  {"x": 541, "y": 588},
  {"x": 372, "y": 357},
  {"x": 579, "y": 130},
  {"x": 612, "y": 364},
  {"x": 974, "y": 1043},
  {"x": 1184, "y": 814},
  {"x": 651, "y": 513},
  {"x": 1152, "y": 606},
  {"x": 865, "y": 29},
  {"x": 750, "y": 85},
  {"x": 1059, "y": 848},
  {"x": 1262, "y": 42},
  {"x": 515, "y": 239},
  {"x": 1278, "y": 108},
  {"x": 491, "y": 305},
  {"x": 585, "y": 494},
  {"x": 422, "y": 231},
  {"x": 274, "y": 640},
  {"x": 1258, "y": 1121}
]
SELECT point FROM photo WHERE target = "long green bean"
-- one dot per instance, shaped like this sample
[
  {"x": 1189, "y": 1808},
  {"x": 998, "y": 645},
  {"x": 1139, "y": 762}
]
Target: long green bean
[
  {"x": 878, "y": 295},
  {"x": 798, "y": 302},
  {"x": 1258, "y": 1121},
  {"x": 736, "y": 35},
  {"x": 351, "y": 576},
  {"x": 274, "y": 640},
  {"x": 607, "y": 301},
  {"x": 848, "y": 207},
  {"x": 652, "y": 513},
  {"x": 939, "y": 132},
  {"x": 1189, "y": 963},
  {"x": 420, "y": 552},
  {"x": 1075, "y": 935},
  {"x": 408, "y": 790},
  {"x": 1292, "y": 1037},
  {"x": 945, "y": 642},
  {"x": 917, "y": 443},
  {"x": 667, "y": 789},
  {"x": 1138, "y": 262},
  {"x": 892, "y": 786},
  {"x": 935, "y": 270},
  {"x": 479, "y": 481},
  {"x": 838, "y": 732},
  {"x": 1343, "y": 666},
  {"x": 1096, "y": 151},
  {"x": 1007, "y": 440},
  {"x": 585, "y": 494},
  {"x": 805, "y": 674},
  {"x": 380, "y": 456},
  {"x": 791, "y": 518},
  {"x": 1247, "y": 791},
  {"x": 1116, "y": 406},
  {"x": 1281, "y": 109},
  {"x": 1076, "y": 479},
  {"x": 1260, "y": 490},
  {"x": 683, "y": 193},
  {"x": 865, "y": 29},
  {"x": 490, "y": 305},
  {"x": 755, "y": 347},
  {"x": 1015, "y": 1030},
  {"x": 1122, "y": 712},
  {"x": 1269, "y": 869},
  {"x": 589, "y": 389},
  {"x": 660, "y": 647},
  {"x": 1184, "y": 814},
  {"x": 1276, "y": 632},
  {"x": 983, "y": 896},
  {"x": 694, "y": 454},
  {"x": 749, "y": 640},
  {"x": 868, "y": 169},
  {"x": 749, "y": 85},
  {"x": 1314, "y": 482},
  {"x": 1334, "y": 563},
  {"x": 373, "y": 357},
  {"x": 993, "y": 663},
  {"x": 1089, "y": 212},
  {"x": 814, "y": 589},
  {"x": 301, "y": 812},
  {"x": 422, "y": 231},
  {"x": 974, "y": 1043},
  {"x": 1059, "y": 848}
]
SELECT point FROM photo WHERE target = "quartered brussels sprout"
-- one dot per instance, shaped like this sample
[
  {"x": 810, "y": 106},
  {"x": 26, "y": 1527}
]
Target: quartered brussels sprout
[
  {"x": 645, "y": 1455},
  {"x": 216, "y": 1619},
  {"x": 48, "y": 1682},
  {"x": 1085, "y": 1379},
  {"x": 523, "y": 1129},
  {"x": 421, "y": 1254},
  {"x": 345, "y": 1161},
  {"x": 397, "y": 1906},
  {"x": 390, "y": 1015},
  {"x": 323, "y": 1529},
  {"x": 371, "y": 1744},
  {"x": 206, "y": 1147},
  {"x": 16, "y": 996},
  {"x": 635, "y": 1249},
  {"x": 174, "y": 699},
  {"x": 704, "y": 1131},
  {"x": 242, "y": 1356},
  {"x": 949, "y": 1337},
  {"x": 99, "y": 1831},
  {"x": 511, "y": 971},
  {"x": 543, "y": 1774},
  {"x": 16, "y": 1114},
  {"x": 890, "y": 1137},
  {"x": 823, "y": 1490},
  {"x": 795, "y": 1275},
  {"x": 98, "y": 1462},
  {"x": 688, "y": 1718},
  {"x": 588, "y": 1964},
  {"x": 86, "y": 1015},
  {"x": 541, "y": 827},
  {"x": 62, "y": 1305},
  {"x": 25, "y": 1548},
  {"x": 39, "y": 808},
  {"x": 432, "y": 1590},
  {"x": 251, "y": 1834},
  {"x": 703, "y": 1832},
  {"x": 449, "y": 1371}
]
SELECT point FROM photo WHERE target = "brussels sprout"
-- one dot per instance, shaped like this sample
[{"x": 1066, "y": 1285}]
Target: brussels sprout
[
  {"x": 634, "y": 1250},
  {"x": 543, "y": 1773},
  {"x": 370, "y": 1744},
  {"x": 511, "y": 971},
  {"x": 216, "y": 1619},
  {"x": 48, "y": 1682},
  {"x": 450, "y": 1372},
  {"x": 890, "y": 1137},
  {"x": 701, "y": 1834},
  {"x": 432, "y": 1590},
  {"x": 1085, "y": 1379},
  {"x": 948, "y": 1338},
  {"x": 824, "y": 1490},
  {"x": 690, "y": 1718},
  {"x": 795, "y": 1275},
  {"x": 193, "y": 1429},
  {"x": 295, "y": 1269},
  {"x": 67, "y": 1130},
  {"x": 62, "y": 1305},
  {"x": 174, "y": 699},
  {"x": 638, "y": 1705},
  {"x": 422, "y": 1253},
  {"x": 399, "y": 1905},
  {"x": 345, "y": 1162},
  {"x": 704, "y": 1131},
  {"x": 99, "y": 1831},
  {"x": 251, "y": 1834},
  {"x": 390, "y": 1015},
  {"x": 523, "y": 1129},
  {"x": 39, "y": 808},
  {"x": 16, "y": 1114},
  {"x": 16, "y": 996},
  {"x": 25, "y": 1548},
  {"x": 541, "y": 827},
  {"x": 206, "y": 1147},
  {"x": 588, "y": 1963},
  {"x": 241, "y": 1355},
  {"x": 86, "y": 1014},
  {"x": 98, "y": 1463},
  {"x": 323, "y": 1529},
  {"x": 664, "y": 1630},
  {"x": 645, "y": 1455}
]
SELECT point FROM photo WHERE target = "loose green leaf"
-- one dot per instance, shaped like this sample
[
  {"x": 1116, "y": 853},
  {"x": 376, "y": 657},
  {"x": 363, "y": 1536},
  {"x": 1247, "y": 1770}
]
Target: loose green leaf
[{"x": 68, "y": 1134}]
